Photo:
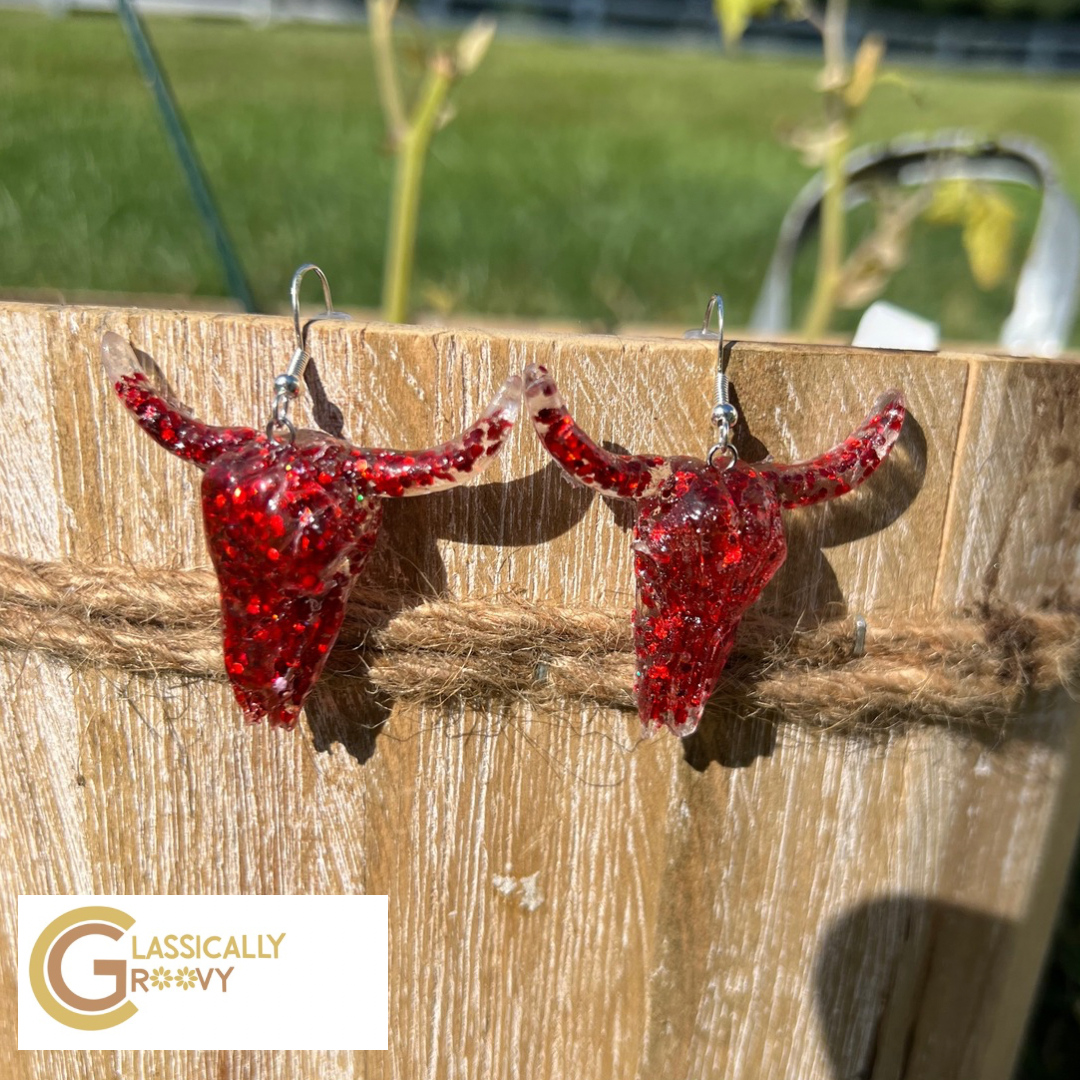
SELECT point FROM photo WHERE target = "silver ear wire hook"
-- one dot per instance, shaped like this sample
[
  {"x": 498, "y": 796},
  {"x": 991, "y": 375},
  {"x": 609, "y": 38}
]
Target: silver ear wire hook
[
  {"x": 724, "y": 415},
  {"x": 287, "y": 386}
]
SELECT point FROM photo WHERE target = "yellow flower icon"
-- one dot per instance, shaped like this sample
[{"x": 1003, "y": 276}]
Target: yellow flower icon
[
  {"x": 185, "y": 978},
  {"x": 161, "y": 978}
]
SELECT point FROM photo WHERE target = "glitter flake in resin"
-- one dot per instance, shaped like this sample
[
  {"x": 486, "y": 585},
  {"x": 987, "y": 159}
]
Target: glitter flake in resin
[
  {"x": 706, "y": 542},
  {"x": 290, "y": 525}
]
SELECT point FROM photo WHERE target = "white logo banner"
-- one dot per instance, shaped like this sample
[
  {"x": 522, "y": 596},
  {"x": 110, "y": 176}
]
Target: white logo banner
[{"x": 203, "y": 972}]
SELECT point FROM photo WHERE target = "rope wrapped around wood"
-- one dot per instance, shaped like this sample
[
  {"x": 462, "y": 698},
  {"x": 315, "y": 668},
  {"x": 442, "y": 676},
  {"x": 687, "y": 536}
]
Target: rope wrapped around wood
[{"x": 972, "y": 668}]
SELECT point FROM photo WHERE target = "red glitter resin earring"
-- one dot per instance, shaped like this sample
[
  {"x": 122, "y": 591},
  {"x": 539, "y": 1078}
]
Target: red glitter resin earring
[
  {"x": 291, "y": 516},
  {"x": 708, "y": 535}
]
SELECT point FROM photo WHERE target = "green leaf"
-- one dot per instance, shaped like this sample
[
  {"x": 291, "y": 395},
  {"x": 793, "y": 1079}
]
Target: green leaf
[
  {"x": 813, "y": 143},
  {"x": 988, "y": 223},
  {"x": 872, "y": 264},
  {"x": 735, "y": 15},
  {"x": 950, "y": 202},
  {"x": 988, "y": 237},
  {"x": 890, "y": 78},
  {"x": 864, "y": 70},
  {"x": 473, "y": 45}
]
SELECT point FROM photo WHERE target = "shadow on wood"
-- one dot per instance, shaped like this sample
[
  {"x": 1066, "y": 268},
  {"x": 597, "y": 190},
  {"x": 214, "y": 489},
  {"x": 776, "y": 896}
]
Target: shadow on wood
[
  {"x": 527, "y": 511},
  {"x": 728, "y": 739},
  {"x": 889, "y": 968}
]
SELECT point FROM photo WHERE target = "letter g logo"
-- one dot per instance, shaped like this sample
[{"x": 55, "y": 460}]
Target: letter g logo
[{"x": 47, "y": 980}]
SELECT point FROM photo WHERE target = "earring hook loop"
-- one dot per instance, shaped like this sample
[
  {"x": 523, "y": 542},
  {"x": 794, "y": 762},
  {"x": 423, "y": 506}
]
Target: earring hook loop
[
  {"x": 287, "y": 385},
  {"x": 724, "y": 415},
  {"x": 716, "y": 303},
  {"x": 294, "y": 293}
]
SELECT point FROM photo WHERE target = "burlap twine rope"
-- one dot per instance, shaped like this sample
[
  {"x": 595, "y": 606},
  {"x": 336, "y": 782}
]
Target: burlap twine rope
[{"x": 971, "y": 668}]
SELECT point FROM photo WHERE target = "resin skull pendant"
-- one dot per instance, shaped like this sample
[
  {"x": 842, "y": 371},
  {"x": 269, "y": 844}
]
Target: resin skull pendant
[
  {"x": 706, "y": 542},
  {"x": 290, "y": 524}
]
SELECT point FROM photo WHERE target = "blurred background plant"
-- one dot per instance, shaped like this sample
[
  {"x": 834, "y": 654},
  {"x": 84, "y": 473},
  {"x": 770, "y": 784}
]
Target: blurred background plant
[
  {"x": 596, "y": 184},
  {"x": 409, "y": 131},
  {"x": 852, "y": 278}
]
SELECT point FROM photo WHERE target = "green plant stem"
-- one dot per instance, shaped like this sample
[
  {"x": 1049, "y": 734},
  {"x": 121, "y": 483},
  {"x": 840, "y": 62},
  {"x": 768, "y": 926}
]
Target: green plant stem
[
  {"x": 380, "y": 21},
  {"x": 831, "y": 243},
  {"x": 832, "y": 229},
  {"x": 410, "y": 155},
  {"x": 176, "y": 129}
]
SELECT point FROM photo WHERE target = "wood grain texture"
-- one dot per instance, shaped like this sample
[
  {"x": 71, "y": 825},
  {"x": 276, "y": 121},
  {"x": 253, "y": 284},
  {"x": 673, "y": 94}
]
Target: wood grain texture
[{"x": 757, "y": 901}]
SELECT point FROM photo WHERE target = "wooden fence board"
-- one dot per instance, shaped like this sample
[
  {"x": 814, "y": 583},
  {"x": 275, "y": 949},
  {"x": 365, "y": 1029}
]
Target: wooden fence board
[{"x": 565, "y": 899}]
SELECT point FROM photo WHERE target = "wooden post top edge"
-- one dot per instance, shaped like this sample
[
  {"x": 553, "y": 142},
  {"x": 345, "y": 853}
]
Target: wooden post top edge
[{"x": 740, "y": 348}]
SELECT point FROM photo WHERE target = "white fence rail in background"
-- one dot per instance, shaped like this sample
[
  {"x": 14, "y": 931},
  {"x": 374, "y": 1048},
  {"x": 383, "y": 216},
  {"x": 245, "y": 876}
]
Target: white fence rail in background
[{"x": 915, "y": 38}]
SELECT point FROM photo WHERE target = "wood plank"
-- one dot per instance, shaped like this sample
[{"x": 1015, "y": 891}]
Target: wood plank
[
  {"x": 1014, "y": 525},
  {"x": 757, "y": 901}
]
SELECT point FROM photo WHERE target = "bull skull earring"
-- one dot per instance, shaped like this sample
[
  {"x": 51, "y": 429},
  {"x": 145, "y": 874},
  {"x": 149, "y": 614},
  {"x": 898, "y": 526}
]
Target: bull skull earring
[
  {"x": 708, "y": 535},
  {"x": 291, "y": 516}
]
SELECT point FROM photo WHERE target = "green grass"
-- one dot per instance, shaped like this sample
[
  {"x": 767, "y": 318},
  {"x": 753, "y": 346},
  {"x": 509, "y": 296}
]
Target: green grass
[{"x": 602, "y": 184}]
